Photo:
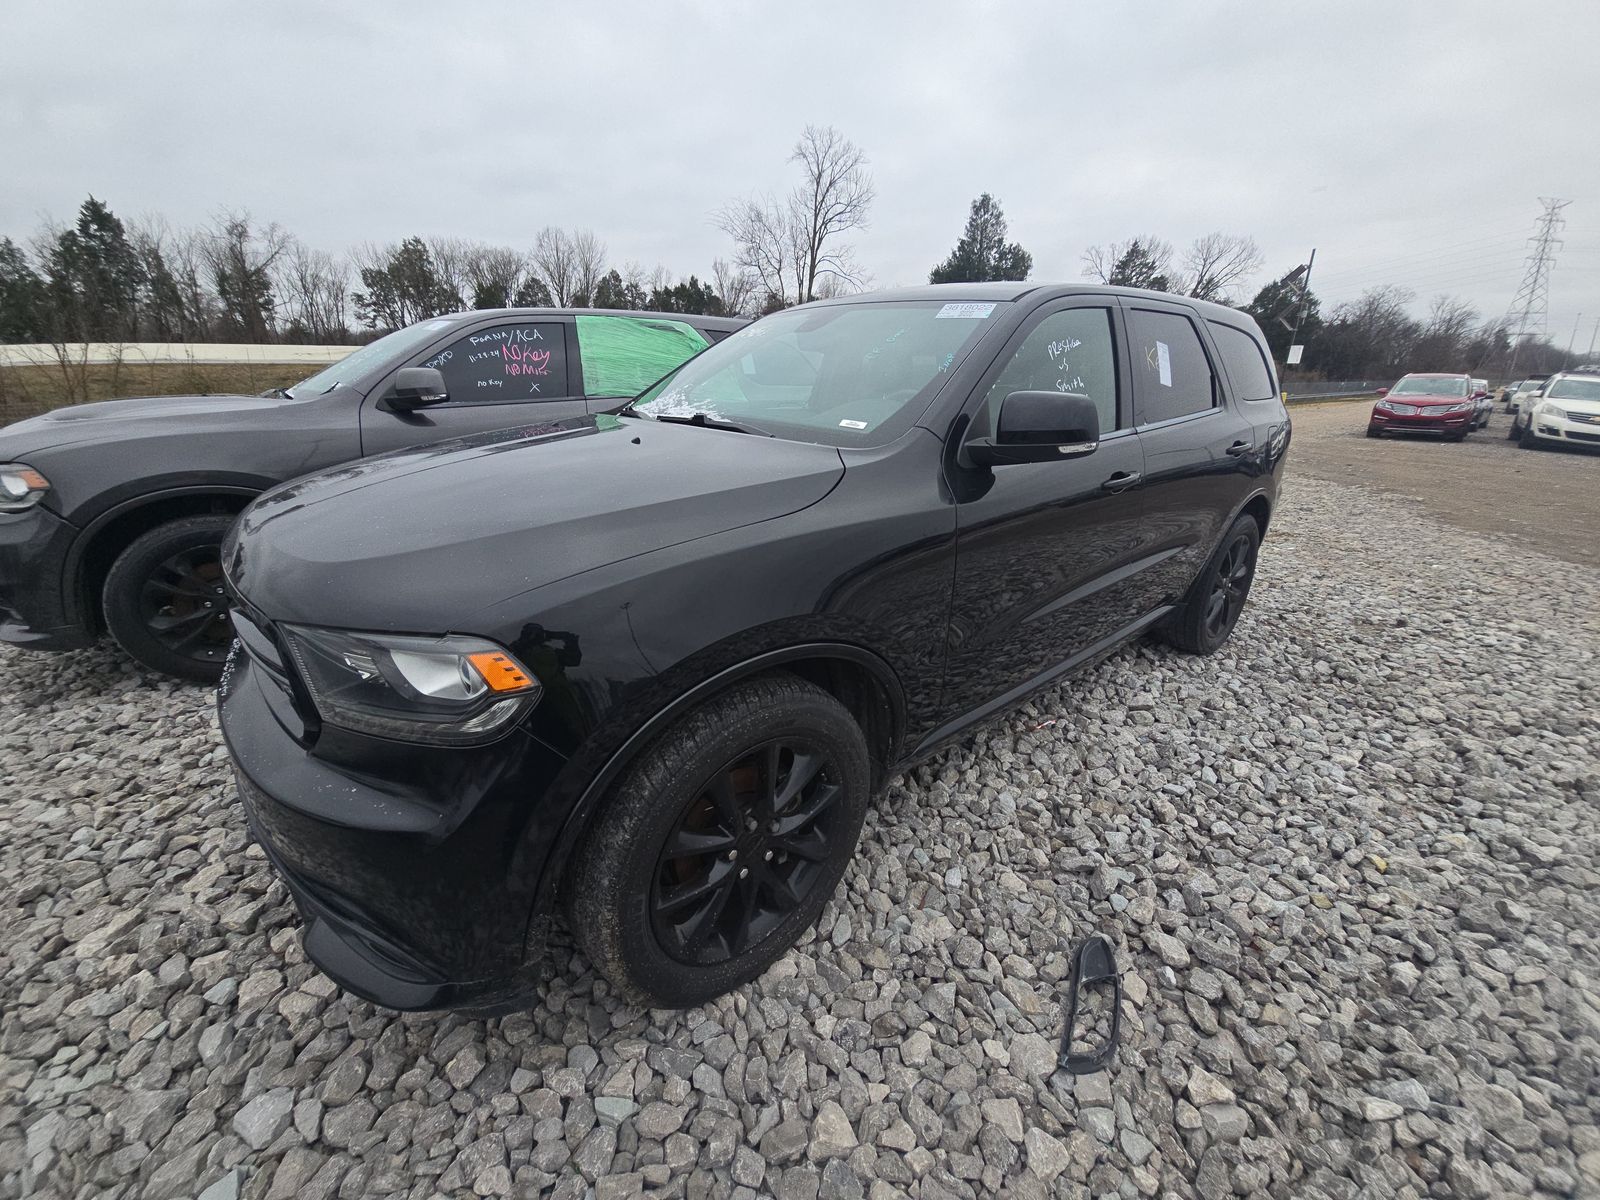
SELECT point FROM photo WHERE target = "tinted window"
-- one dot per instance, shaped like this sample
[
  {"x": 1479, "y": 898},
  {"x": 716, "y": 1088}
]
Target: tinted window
[
  {"x": 1247, "y": 367},
  {"x": 505, "y": 362},
  {"x": 1067, "y": 351},
  {"x": 1172, "y": 376},
  {"x": 624, "y": 355}
]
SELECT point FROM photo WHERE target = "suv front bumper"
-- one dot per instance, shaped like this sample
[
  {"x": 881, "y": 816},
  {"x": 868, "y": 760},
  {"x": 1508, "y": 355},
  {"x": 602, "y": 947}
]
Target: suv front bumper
[
  {"x": 35, "y": 611},
  {"x": 405, "y": 870},
  {"x": 1575, "y": 429}
]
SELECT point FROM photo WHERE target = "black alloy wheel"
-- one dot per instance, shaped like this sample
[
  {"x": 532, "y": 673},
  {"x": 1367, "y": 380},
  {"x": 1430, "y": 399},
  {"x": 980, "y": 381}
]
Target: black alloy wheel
[
  {"x": 1230, "y": 585},
  {"x": 164, "y": 599},
  {"x": 746, "y": 852},
  {"x": 1211, "y": 606},
  {"x": 722, "y": 842},
  {"x": 184, "y": 607}
]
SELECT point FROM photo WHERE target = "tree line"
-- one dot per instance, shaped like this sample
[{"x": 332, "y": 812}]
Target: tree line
[{"x": 237, "y": 280}]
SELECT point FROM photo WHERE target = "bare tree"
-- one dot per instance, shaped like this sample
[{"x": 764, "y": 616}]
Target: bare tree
[
  {"x": 555, "y": 262},
  {"x": 831, "y": 200},
  {"x": 451, "y": 259},
  {"x": 588, "y": 265},
  {"x": 769, "y": 245},
  {"x": 242, "y": 259},
  {"x": 735, "y": 285},
  {"x": 493, "y": 276},
  {"x": 1443, "y": 343},
  {"x": 1217, "y": 263},
  {"x": 315, "y": 289}
]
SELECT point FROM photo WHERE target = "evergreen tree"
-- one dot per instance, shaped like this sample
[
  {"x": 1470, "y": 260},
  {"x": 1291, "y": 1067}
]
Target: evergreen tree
[
  {"x": 1281, "y": 299},
  {"x": 93, "y": 278},
  {"x": 983, "y": 253},
  {"x": 405, "y": 289},
  {"x": 21, "y": 296},
  {"x": 1139, "y": 266}
]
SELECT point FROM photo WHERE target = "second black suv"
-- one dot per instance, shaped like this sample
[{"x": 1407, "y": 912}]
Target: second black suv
[
  {"x": 112, "y": 514},
  {"x": 650, "y": 667}
]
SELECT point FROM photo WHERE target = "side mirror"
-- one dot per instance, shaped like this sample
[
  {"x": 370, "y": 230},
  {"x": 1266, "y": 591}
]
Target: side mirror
[
  {"x": 414, "y": 388},
  {"x": 1383, "y": 391},
  {"x": 1037, "y": 427}
]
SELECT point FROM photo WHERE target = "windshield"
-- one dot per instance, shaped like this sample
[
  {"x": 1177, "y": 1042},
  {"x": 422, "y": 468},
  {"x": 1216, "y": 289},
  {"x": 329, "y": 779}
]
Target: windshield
[
  {"x": 843, "y": 375},
  {"x": 1574, "y": 389},
  {"x": 1423, "y": 385},
  {"x": 373, "y": 354}
]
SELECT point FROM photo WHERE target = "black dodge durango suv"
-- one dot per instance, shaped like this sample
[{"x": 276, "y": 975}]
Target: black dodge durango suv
[
  {"x": 649, "y": 667},
  {"x": 112, "y": 515}
]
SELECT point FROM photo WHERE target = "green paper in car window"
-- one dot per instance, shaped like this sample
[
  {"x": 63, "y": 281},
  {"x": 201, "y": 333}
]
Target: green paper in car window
[{"x": 624, "y": 355}]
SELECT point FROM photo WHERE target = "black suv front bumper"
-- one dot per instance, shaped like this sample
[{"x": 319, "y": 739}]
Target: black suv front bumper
[
  {"x": 35, "y": 610},
  {"x": 408, "y": 864}
]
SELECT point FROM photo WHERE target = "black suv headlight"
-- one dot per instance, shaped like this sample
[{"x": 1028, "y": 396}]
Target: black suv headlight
[
  {"x": 21, "y": 487},
  {"x": 447, "y": 691}
]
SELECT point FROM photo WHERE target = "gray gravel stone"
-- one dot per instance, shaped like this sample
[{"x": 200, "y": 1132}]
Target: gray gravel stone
[{"x": 1348, "y": 864}]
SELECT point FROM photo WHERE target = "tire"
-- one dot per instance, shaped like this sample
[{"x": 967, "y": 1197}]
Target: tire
[
  {"x": 1512, "y": 433},
  {"x": 661, "y": 927},
  {"x": 1528, "y": 440},
  {"x": 172, "y": 575},
  {"x": 1373, "y": 432},
  {"x": 1193, "y": 628}
]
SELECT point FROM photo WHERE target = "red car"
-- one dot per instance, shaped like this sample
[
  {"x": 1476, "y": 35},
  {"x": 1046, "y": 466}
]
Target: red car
[{"x": 1443, "y": 404}]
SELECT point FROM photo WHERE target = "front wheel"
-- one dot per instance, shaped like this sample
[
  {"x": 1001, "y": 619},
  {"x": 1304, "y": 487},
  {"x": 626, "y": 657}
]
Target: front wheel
[
  {"x": 164, "y": 602},
  {"x": 1513, "y": 433},
  {"x": 722, "y": 844},
  {"x": 1528, "y": 440},
  {"x": 1217, "y": 597},
  {"x": 1374, "y": 432}
]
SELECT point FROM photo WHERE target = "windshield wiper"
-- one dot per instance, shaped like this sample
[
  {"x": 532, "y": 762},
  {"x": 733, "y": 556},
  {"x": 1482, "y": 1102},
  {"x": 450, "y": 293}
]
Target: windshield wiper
[{"x": 709, "y": 422}]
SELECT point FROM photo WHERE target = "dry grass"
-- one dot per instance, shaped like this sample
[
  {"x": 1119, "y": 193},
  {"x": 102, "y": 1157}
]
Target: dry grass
[{"x": 27, "y": 391}]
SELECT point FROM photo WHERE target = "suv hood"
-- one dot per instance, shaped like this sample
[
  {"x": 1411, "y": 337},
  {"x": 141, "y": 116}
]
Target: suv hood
[
  {"x": 113, "y": 420},
  {"x": 419, "y": 540}
]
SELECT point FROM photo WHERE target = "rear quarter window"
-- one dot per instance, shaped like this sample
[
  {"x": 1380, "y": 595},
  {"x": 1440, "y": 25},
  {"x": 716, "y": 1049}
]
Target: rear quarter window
[{"x": 1245, "y": 363}]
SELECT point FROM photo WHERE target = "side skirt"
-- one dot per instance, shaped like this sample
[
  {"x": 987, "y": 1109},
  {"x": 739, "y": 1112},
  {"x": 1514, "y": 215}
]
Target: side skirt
[{"x": 1008, "y": 700}]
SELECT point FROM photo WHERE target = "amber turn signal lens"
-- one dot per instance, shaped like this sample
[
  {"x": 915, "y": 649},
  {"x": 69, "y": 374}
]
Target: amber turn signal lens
[{"x": 500, "y": 671}]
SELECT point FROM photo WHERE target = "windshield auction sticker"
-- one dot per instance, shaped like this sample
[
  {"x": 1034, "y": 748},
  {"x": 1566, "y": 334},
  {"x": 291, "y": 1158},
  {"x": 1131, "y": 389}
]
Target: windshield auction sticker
[{"x": 965, "y": 310}]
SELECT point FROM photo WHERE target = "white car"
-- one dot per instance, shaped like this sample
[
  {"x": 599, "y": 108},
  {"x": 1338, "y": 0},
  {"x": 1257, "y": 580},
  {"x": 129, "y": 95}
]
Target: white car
[
  {"x": 1525, "y": 389},
  {"x": 1567, "y": 409}
]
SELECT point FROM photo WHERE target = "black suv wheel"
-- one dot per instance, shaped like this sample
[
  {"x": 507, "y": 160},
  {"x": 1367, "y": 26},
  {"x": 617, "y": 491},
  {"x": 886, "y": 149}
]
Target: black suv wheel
[
  {"x": 164, "y": 602},
  {"x": 1217, "y": 597},
  {"x": 722, "y": 844}
]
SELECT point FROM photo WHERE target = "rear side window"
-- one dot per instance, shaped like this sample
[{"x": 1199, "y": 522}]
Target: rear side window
[
  {"x": 624, "y": 355},
  {"x": 505, "y": 363},
  {"x": 1172, "y": 376},
  {"x": 1246, "y": 365}
]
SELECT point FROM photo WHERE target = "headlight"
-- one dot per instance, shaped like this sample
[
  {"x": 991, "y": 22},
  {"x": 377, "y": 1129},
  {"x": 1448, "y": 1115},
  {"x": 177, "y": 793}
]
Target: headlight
[
  {"x": 1383, "y": 404},
  {"x": 21, "y": 487},
  {"x": 1470, "y": 404},
  {"x": 447, "y": 691},
  {"x": 1552, "y": 412}
]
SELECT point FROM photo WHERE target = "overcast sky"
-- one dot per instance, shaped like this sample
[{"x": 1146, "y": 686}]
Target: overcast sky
[{"x": 1407, "y": 142}]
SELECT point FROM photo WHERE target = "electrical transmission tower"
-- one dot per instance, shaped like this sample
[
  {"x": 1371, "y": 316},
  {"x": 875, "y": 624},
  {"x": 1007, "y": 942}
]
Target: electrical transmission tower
[{"x": 1529, "y": 315}]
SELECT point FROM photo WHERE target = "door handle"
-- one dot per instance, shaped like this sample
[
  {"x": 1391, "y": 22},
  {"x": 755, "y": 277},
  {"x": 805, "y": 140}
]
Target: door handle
[
  {"x": 1240, "y": 447},
  {"x": 1121, "y": 481}
]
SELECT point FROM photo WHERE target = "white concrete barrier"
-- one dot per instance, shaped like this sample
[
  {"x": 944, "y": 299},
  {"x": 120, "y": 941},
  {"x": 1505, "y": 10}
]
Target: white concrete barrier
[{"x": 81, "y": 353}]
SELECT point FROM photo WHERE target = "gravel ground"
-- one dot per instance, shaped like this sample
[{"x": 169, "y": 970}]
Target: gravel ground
[{"x": 1349, "y": 865}]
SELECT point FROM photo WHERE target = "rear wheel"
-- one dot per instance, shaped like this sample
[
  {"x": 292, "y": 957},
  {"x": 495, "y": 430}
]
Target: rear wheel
[
  {"x": 164, "y": 602},
  {"x": 1214, "y": 602},
  {"x": 722, "y": 844}
]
